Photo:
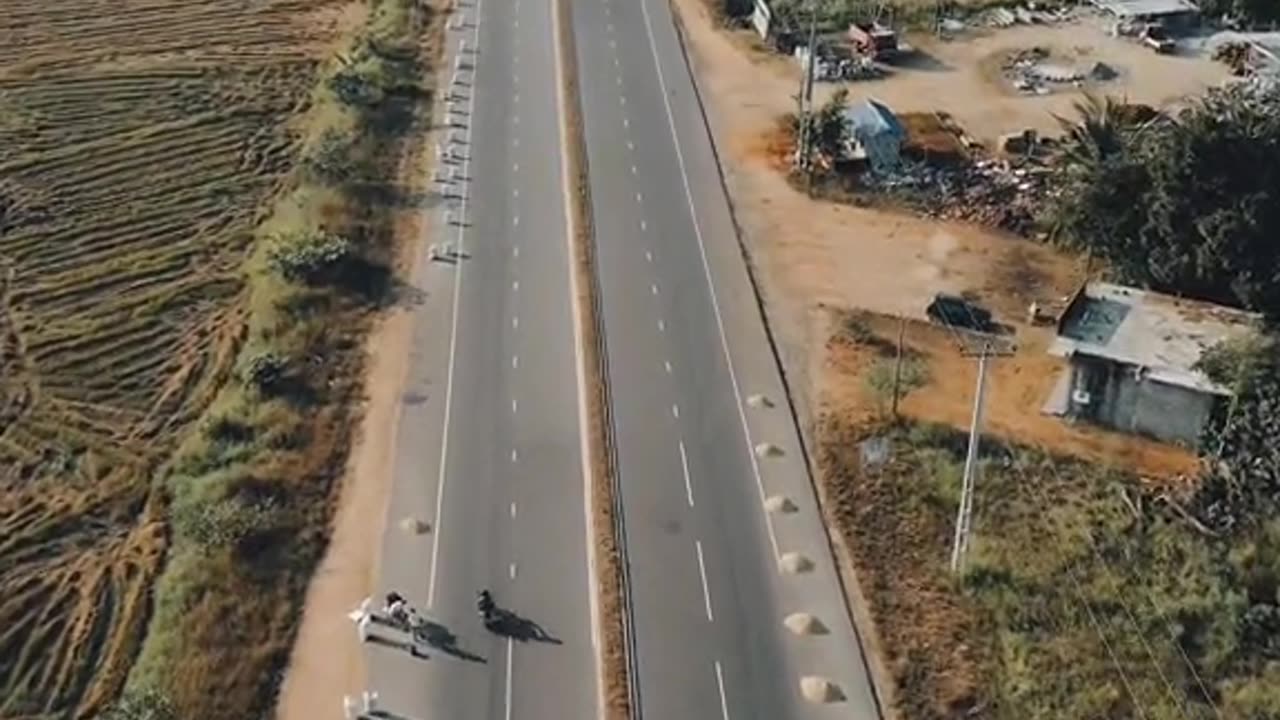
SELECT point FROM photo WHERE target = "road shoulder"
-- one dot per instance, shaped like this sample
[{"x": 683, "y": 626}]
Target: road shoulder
[
  {"x": 327, "y": 660},
  {"x": 695, "y": 29}
]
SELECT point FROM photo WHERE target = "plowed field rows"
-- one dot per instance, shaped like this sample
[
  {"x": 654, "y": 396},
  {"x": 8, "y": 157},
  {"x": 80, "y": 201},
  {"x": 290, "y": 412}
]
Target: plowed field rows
[{"x": 138, "y": 140}]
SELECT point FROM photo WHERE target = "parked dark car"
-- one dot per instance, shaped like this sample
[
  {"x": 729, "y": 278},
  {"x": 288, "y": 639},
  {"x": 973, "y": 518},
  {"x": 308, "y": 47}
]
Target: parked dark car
[{"x": 955, "y": 311}]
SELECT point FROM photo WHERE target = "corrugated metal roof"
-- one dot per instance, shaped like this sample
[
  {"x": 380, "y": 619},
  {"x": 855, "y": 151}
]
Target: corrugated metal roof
[
  {"x": 1146, "y": 8},
  {"x": 1163, "y": 334}
]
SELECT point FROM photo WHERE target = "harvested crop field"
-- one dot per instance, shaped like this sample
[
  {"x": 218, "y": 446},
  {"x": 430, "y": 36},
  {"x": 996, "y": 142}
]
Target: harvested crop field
[{"x": 140, "y": 142}]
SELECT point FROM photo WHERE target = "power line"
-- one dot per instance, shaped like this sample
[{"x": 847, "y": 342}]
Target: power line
[
  {"x": 1096, "y": 624},
  {"x": 1107, "y": 568},
  {"x": 963, "y": 531}
]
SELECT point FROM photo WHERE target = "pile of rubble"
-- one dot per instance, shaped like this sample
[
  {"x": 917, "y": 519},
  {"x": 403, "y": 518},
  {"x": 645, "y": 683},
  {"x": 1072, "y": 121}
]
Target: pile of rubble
[
  {"x": 834, "y": 66},
  {"x": 1032, "y": 71},
  {"x": 1003, "y": 17},
  {"x": 997, "y": 193}
]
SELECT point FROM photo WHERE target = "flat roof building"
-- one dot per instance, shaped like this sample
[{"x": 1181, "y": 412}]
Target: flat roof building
[
  {"x": 1132, "y": 358},
  {"x": 1146, "y": 9}
]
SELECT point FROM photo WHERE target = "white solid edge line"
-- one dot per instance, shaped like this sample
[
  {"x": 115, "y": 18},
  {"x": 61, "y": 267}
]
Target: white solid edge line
[
  {"x": 453, "y": 334},
  {"x": 706, "y": 267},
  {"x": 510, "y": 651},
  {"x": 724, "y": 702},
  {"x": 684, "y": 466},
  {"x": 702, "y": 572},
  {"x": 584, "y": 441}
]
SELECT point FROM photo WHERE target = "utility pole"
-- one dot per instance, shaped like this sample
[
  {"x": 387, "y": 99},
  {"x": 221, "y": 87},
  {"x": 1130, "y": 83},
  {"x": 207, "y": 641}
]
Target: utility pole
[
  {"x": 897, "y": 365},
  {"x": 960, "y": 544},
  {"x": 806, "y": 98},
  {"x": 808, "y": 93}
]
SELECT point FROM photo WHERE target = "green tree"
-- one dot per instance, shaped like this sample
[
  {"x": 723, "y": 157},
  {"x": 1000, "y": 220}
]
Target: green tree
[
  {"x": 140, "y": 705},
  {"x": 1100, "y": 130},
  {"x": 330, "y": 160},
  {"x": 1189, "y": 205},
  {"x": 226, "y": 523},
  {"x": 265, "y": 371},
  {"x": 306, "y": 256},
  {"x": 1242, "y": 471},
  {"x": 1249, "y": 11},
  {"x": 832, "y": 130}
]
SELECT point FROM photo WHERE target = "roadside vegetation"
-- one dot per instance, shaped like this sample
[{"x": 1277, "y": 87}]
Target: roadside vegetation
[
  {"x": 1246, "y": 12},
  {"x": 1088, "y": 593},
  {"x": 195, "y": 208},
  {"x": 251, "y": 489}
]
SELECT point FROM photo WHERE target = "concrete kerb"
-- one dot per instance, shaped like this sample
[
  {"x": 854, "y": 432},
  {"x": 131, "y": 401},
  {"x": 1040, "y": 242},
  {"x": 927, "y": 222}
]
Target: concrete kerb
[
  {"x": 606, "y": 554},
  {"x": 882, "y": 686}
]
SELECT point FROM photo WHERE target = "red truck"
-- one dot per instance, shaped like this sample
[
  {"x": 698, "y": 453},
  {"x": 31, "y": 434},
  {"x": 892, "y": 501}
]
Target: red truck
[{"x": 874, "y": 40}]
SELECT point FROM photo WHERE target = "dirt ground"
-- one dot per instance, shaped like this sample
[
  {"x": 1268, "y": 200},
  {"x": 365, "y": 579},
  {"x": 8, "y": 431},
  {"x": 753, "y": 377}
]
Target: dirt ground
[
  {"x": 811, "y": 255},
  {"x": 960, "y": 75},
  {"x": 1017, "y": 387}
]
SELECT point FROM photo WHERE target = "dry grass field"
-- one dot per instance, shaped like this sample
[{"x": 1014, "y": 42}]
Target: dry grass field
[{"x": 141, "y": 141}]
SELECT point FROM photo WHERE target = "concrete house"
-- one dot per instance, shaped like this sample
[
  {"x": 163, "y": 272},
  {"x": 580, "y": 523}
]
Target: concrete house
[
  {"x": 875, "y": 134},
  {"x": 1131, "y": 360}
]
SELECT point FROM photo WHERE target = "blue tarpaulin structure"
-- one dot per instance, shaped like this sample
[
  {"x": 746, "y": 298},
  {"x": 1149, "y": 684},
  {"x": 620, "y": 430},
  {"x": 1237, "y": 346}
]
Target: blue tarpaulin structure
[{"x": 875, "y": 130}]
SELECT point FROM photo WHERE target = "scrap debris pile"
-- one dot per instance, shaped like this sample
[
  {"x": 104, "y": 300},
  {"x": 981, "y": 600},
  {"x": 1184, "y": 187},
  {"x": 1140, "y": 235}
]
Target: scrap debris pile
[
  {"x": 1005, "y": 17},
  {"x": 836, "y": 63},
  {"x": 997, "y": 193},
  {"x": 1034, "y": 72}
]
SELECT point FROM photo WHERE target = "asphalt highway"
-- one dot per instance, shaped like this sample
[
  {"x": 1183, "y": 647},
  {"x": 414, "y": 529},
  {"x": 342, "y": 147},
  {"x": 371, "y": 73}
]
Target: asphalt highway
[
  {"x": 686, "y": 348},
  {"x": 488, "y": 451}
]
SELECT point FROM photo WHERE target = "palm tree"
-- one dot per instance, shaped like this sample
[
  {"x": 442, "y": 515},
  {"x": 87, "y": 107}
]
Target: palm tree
[{"x": 1101, "y": 130}]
